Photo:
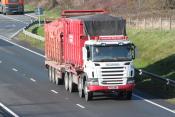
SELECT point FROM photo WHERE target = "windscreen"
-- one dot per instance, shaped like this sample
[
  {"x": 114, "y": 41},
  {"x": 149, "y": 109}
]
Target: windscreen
[{"x": 112, "y": 53}]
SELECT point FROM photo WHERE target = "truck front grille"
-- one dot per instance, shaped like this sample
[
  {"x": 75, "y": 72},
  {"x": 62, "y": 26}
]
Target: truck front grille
[{"x": 112, "y": 75}]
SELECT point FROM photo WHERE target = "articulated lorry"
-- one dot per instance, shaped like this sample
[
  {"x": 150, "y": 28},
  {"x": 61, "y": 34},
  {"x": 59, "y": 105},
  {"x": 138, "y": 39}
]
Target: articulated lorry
[
  {"x": 12, "y": 6},
  {"x": 88, "y": 51}
]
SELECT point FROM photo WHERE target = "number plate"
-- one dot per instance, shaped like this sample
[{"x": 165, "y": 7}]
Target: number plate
[{"x": 113, "y": 87}]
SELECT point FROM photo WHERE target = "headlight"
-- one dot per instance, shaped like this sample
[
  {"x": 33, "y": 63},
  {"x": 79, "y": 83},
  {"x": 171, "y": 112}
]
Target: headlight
[{"x": 93, "y": 81}]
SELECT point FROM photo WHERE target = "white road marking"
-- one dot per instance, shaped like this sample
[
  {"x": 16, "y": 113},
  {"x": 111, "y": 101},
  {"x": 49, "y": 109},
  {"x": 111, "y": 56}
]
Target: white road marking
[
  {"x": 81, "y": 106},
  {"x": 14, "y": 19},
  {"x": 14, "y": 69},
  {"x": 146, "y": 100},
  {"x": 16, "y": 33},
  {"x": 54, "y": 91},
  {"x": 0, "y": 62},
  {"x": 6, "y": 39},
  {"x": 33, "y": 80},
  {"x": 35, "y": 17},
  {"x": 155, "y": 104},
  {"x": 8, "y": 110}
]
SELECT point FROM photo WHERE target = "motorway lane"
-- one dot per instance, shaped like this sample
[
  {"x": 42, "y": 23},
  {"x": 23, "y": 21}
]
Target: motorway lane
[
  {"x": 28, "y": 98},
  {"x": 10, "y": 24}
]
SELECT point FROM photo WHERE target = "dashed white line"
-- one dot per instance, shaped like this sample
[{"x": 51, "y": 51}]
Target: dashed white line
[
  {"x": 0, "y": 62},
  {"x": 8, "y": 110},
  {"x": 54, "y": 91},
  {"x": 14, "y": 69},
  {"x": 79, "y": 105},
  {"x": 153, "y": 103},
  {"x": 33, "y": 80}
]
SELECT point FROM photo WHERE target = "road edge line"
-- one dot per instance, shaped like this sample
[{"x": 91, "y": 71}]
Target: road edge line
[
  {"x": 153, "y": 103},
  {"x": 8, "y": 110},
  {"x": 31, "y": 16},
  {"x": 6, "y": 40},
  {"x": 16, "y": 33}
]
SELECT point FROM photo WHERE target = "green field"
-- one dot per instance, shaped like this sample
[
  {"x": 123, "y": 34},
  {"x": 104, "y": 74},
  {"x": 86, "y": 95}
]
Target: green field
[
  {"x": 156, "y": 51},
  {"x": 156, "y": 54}
]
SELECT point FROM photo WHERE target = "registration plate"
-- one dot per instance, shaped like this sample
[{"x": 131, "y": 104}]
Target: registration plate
[{"x": 112, "y": 87}]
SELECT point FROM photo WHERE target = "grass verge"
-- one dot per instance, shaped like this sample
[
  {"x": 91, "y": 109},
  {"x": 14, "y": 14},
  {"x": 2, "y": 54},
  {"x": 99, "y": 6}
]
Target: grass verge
[
  {"x": 156, "y": 55},
  {"x": 34, "y": 43}
]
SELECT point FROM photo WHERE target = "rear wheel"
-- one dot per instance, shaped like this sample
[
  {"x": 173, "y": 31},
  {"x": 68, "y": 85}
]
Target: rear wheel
[
  {"x": 53, "y": 75},
  {"x": 58, "y": 81},
  {"x": 66, "y": 81},
  {"x": 50, "y": 73},
  {"x": 88, "y": 95},
  {"x": 80, "y": 88},
  {"x": 71, "y": 84}
]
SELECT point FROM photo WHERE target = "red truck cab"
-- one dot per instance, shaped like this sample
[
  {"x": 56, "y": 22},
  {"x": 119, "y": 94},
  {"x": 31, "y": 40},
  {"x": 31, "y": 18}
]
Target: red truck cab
[{"x": 11, "y": 6}]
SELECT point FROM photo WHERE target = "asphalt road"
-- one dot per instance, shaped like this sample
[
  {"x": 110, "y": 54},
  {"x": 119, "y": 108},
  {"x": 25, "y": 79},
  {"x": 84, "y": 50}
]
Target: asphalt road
[{"x": 25, "y": 88}]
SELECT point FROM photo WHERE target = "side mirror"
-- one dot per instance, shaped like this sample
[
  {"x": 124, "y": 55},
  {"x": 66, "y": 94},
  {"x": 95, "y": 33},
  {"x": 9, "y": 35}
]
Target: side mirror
[
  {"x": 84, "y": 54},
  {"x": 134, "y": 51}
]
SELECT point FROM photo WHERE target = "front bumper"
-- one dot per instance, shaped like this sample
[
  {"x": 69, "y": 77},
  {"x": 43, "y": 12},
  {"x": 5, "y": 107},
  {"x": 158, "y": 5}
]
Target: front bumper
[{"x": 96, "y": 88}]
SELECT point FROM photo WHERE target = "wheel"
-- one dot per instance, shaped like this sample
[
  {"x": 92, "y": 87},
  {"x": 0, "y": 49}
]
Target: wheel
[
  {"x": 58, "y": 81},
  {"x": 66, "y": 81},
  {"x": 53, "y": 75},
  {"x": 129, "y": 95},
  {"x": 70, "y": 83},
  {"x": 80, "y": 88},
  {"x": 72, "y": 86},
  {"x": 126, "y": 95},
  {"x": 88, "y": 95},
  {"x": 50, "y": 73}
]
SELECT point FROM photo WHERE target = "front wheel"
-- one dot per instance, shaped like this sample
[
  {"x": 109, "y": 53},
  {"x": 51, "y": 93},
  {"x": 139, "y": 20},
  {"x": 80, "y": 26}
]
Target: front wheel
[
  {"x": 88, "y": 94},
  {"x": 126, "y": 95},
  {"x": 129, "y": 95}
]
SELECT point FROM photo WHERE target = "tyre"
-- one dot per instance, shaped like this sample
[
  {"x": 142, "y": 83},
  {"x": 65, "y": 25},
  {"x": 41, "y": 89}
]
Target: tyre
[
  {"x": 53, "y": 75},
  {"x": 80, "y": 88},
  {"x": 126, "y": 95},
  {"x": 88, "y": 95},
  {"x": 58, "y": 81},
  {"x": 129, "y": 95},
  {"x": 50, "y": 73},
  {"x": 66, "y": 81},
  {"x": 72, "y": 85}
]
